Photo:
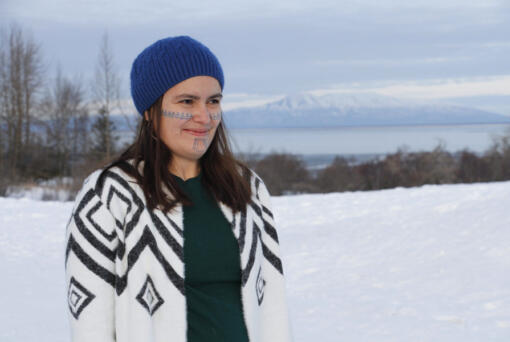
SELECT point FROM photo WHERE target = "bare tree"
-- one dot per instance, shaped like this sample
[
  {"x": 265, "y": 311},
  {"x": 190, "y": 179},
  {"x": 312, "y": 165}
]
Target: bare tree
[
  {"x": 284, "y": 173},
  {"x": 106, "y": 92},
  {"x": 21, "y": 77},
  {"x": 63, "y": 112}
]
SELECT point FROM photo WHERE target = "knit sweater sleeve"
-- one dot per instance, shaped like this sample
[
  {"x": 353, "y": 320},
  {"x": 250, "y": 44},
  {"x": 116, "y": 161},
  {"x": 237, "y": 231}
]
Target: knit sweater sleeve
[
  {"x": 278, "y": 325},
  {"x": 91, "y": 245},
  {"x": 267, "y": 206},
  {"x": 270, "y": 233}
]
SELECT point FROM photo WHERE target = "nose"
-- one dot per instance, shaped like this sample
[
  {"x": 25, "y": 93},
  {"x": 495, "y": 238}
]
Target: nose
[{"x": 202, "y": 115}]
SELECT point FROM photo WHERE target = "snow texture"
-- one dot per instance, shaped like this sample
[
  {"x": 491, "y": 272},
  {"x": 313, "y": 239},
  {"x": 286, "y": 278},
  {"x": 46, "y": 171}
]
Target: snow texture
[{"x": 420, "y": 264}]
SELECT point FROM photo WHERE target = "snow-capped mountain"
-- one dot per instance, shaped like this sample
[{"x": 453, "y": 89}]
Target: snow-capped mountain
[{"x": 357, "y": 109}]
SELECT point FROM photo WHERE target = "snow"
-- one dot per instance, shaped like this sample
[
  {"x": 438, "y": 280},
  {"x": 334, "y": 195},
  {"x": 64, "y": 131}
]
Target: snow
[
  {"x": 419, "y": 264},
  {"x": 307, "y": 100},
  {"x": 304, "y": 109},
  {"x": 38, "y": 192}
]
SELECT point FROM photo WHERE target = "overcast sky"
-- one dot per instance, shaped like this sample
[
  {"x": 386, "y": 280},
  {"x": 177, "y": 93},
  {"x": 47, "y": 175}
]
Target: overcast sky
[{"x": 428, "y": 49}]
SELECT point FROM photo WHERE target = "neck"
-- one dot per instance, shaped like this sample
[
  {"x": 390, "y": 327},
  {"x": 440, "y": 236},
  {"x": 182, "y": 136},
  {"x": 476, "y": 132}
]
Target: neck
[{"x": 184, "y": 168}]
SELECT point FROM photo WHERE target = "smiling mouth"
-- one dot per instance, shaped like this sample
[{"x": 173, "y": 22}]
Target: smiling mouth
[{"x": 198, "y": 132}]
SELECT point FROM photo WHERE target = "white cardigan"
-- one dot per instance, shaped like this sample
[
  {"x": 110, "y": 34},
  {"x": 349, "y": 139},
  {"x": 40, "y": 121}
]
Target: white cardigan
[{"x": 124, "y": 266}]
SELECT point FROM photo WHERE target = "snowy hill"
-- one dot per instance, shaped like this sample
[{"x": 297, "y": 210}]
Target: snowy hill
[
  {"x": 422, "y": 264},
  {"x": 358, "y": 109}
]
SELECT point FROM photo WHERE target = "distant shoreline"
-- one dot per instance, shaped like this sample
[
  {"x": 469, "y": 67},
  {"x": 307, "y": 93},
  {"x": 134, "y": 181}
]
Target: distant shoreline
[{"x": 377, "y": 126}]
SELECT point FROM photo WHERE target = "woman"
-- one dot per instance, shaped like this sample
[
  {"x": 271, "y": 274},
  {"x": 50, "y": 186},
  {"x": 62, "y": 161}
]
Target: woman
[{"x": 175, "y": 240}]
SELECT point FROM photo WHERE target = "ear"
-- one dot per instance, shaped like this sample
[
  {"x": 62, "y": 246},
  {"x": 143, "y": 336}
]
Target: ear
[{"x": 146, "y": 115}]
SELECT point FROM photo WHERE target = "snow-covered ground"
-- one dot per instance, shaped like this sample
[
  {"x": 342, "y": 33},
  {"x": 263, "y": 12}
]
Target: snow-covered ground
[{"x": 421, "y": 264}]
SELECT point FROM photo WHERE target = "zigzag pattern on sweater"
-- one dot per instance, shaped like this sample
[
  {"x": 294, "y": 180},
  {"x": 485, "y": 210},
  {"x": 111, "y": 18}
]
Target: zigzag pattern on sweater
[{"x": 118, "y": 188}]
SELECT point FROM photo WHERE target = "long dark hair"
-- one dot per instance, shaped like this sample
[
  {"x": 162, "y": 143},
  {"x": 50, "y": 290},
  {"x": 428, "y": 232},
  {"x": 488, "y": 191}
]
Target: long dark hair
[{"x": 225, "y": 177}]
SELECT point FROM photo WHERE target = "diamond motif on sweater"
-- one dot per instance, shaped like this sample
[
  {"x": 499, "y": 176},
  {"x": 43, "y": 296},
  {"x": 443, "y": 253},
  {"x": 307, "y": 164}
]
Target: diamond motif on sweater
[
  {"x": 260, "y": 283},
  {"x": 149, "y": 297},
  {"x": 78, "y": 297}
]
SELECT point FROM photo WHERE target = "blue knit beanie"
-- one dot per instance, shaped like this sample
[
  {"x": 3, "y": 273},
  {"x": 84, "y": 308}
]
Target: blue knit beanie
[{"x": 167, "y": 62}]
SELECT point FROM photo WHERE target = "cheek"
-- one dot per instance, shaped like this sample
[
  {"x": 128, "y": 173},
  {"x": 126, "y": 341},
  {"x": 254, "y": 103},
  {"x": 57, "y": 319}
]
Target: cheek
[
  {"x": 171, "y": 133},
  {"x": 214, "y": 129},
  {"x": 216, "y": 115},
  {"x": 172, "y": 127},
  {"x": 216, "y": 118}
]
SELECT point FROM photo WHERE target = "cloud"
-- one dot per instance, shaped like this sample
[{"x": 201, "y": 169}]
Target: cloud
[
  {"x": 233, "y": 100},
  {"x": 430, "y": 89},
  {"x": 160, "y": 12},
  {"x": 392, "y": 62},
  {"x": 485, "y": 93},
  {"x": 286, "y": 46}
]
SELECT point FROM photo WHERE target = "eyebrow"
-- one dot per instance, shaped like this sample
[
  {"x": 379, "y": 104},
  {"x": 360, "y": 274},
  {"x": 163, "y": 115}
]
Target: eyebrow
[{"x": 195, "y": 97}]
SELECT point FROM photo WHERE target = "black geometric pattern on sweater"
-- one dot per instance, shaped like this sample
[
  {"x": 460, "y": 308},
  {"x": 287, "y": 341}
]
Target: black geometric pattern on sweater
[
  {"x": 121, "y": 248},
  {"x": 165, "y": 233},
  {"x": 256, "y": 235},
  {"x": 173, "y": 224},
  {"x": 245, "y": 272},
  {"x": 88, "y": 261},
  {"x": 269, "y": 229},
  {"x": 257, "y": 183},
  {"x": 140, "y": 206},
  {"x": 91, "y": 212},
  {"x": 149, "y": 296},
  {"x": 86, "y": 232},
  {"x": 112, "y": 191},
  {"x": 267, "y": 211},
  {"x": 117, "y": 193},
  {"x": 242, "y": 230},
  {"x": 78, "y": 297},
  {"x": 270, "y": 256},
  {"x": 114, "y": 280},
  {"x": 260, "y": 283},
  {"x": 264, "y": 208},
  {"x": 148, "y": 240},
  {"x": 137, "y": 202}
]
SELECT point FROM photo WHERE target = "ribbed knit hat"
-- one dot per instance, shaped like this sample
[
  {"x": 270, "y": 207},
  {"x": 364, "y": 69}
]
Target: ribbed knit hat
[{"x": 167, "y": 62}]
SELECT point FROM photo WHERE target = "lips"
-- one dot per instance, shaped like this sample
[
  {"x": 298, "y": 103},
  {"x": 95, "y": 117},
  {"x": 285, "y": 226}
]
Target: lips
[{"x": 198, "y": 132}]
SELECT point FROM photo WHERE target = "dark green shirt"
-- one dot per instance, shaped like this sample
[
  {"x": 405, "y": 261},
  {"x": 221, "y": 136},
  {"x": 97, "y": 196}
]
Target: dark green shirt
[{"x": 212, "y": 270}]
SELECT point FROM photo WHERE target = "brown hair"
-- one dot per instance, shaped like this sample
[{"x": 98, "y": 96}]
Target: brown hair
[{"x": 225, "y": 177}]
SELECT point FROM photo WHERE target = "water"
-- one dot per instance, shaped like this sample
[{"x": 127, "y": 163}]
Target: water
[
  {"x": 365, "y": 140},
  {"x": 318, "y": 146}
]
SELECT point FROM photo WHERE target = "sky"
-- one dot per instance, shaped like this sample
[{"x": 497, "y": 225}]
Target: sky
[{"x": 455, "y": 50}]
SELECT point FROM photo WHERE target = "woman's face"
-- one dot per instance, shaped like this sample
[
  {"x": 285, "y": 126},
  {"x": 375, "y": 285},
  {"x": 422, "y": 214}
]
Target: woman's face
[{"x": 191, "y": 112}]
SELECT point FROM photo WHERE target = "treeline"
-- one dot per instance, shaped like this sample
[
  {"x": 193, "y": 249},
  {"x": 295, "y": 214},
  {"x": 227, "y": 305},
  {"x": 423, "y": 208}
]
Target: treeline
[
  {"x": 288, "y": 174},
  {"x": 53, "y": 126},
  {"x": 58, "y": 128}
]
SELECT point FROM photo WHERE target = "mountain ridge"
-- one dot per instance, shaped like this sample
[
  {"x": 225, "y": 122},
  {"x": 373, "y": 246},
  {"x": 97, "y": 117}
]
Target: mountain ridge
[{"x": 356, "y": 109}]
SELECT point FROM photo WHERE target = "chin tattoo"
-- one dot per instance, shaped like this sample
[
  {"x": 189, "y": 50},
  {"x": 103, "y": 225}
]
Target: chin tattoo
[{"x": 200, "y": 144}]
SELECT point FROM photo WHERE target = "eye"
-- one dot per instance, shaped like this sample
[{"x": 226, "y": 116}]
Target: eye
[
  {"x": 187, "y": 101},
  {"x": 215, "y": 101}
]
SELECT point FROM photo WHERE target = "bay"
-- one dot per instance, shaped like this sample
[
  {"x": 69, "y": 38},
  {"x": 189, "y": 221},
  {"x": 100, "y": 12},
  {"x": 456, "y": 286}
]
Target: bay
[
  {"x": 319, "y": 146},
  {"x": 366, "y": 140}
]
